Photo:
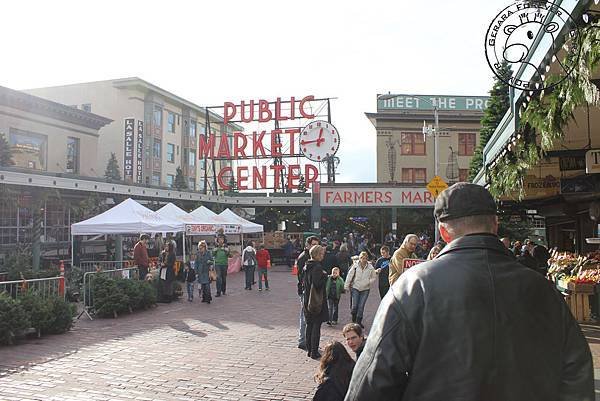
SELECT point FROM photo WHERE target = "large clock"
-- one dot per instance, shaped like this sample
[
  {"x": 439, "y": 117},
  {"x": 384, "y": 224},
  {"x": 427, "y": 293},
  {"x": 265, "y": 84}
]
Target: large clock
[{"x": 319, "y": 140}]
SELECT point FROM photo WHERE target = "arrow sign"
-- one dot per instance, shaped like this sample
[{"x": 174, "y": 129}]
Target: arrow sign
[{"x": 436, "y": 186}]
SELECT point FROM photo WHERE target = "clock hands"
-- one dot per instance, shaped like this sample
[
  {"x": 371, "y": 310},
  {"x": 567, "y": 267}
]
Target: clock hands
[{"x": 319, "y": 140}]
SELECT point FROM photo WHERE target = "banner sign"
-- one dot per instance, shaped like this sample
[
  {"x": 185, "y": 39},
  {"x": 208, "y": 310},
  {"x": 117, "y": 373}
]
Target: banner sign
[
  {"x": 139, "y": 152},
  {"x": 128, "y": 149},
  {"x": 428, "y": 102},
  {"x": 343, "y": 197},
  {"x": 211, "y": 229},
  {"x": 408, "y": 263},
  {"x": 580, "y": 184}
]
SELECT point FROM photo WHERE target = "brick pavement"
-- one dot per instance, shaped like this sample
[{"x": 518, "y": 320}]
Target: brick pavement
[{"x": 241, "y": 347}]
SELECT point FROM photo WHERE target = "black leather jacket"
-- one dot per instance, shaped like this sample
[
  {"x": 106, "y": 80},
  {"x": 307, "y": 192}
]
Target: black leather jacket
[{"x": 471, "y": 325}]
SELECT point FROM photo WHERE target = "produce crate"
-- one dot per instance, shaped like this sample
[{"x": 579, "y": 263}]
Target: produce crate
[
  {"x": 582, "y": 288},
  {"x": 579, "y": 304}
]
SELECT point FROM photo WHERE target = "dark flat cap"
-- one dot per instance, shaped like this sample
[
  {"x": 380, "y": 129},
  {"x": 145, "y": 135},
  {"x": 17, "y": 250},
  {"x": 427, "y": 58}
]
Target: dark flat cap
[{"x": 464, "y": 199}]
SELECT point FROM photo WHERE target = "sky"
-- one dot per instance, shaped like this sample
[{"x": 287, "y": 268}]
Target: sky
[{"x": 210, "y": 52}]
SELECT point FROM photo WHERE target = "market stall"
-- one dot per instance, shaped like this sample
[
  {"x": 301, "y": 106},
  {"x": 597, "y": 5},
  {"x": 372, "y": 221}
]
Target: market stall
[{"x": 578, "y": 278}]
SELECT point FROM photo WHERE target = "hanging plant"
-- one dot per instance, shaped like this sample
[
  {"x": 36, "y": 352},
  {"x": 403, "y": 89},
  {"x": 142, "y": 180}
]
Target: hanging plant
[{"x": 548, "y": 116}]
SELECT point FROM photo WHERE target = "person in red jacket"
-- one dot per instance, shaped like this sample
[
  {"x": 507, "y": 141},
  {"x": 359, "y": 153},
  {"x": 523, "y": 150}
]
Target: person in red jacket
[
  {"x": 140, "y": 255},
  {"x": 264, "y": 263}
]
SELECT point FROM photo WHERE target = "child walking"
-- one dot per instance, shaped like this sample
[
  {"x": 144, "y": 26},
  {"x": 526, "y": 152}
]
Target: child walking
[
  {"x": 189, "y": 276},
  {"x": 334, "y": 289},
  {"x": 264, "y": 263}
]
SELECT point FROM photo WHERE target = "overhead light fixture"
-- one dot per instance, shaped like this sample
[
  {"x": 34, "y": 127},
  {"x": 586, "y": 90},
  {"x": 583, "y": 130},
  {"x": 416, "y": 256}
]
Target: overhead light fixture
[
  {"x": 586, "y": 18},
  {"x": 547, "y": 68}
]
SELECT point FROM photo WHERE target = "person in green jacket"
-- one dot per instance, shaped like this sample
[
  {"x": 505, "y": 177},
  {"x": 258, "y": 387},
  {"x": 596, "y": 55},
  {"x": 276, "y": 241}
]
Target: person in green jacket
[
  {"x": 221, "y": 260},
  {"x": 334, "y": 288}
]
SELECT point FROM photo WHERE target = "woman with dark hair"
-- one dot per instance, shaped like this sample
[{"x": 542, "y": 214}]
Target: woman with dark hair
[
  {"x": 315, "y": 300},
  {"x": 334, "y": 374},
  {"x": 167, "y": 273}
]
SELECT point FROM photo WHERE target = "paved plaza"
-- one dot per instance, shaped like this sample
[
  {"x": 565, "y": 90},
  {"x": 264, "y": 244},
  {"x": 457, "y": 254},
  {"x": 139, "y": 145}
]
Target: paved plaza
[{"x": 241, "y": 347}]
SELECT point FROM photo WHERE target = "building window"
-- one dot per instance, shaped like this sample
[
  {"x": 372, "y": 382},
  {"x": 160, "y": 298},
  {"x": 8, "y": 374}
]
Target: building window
[
  {"x": 87, "y": 107},
  {"x": 192, "y": 184},
  {"x": 171, "y": 122},
  {"x": 170, "y": 153},
  {"x": 157, "y": 117},
  {"x": 463, "y": 174},
  {"x": 202, "y": 164},
  {"x": 156, "y": 179},
  {"x": 73, "y": 155},
  {"x": 192, "y": 129},
  {"x": 413, "y": 144},
  {"x": 170, "y": 180},
  {"x": 414, "y": 175},
  {"x": 192, "y": 159},
  {"x": 157, "y": 149},
  {"x": 29, "y": 150},
  {"x": 466, "y": 144}
]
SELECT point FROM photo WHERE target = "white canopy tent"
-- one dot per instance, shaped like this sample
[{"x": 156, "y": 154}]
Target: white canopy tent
[
  {"x": 203, "y": 213},
  {"x": 128, "y": 217},
  {"x": 247, "y": 226}
]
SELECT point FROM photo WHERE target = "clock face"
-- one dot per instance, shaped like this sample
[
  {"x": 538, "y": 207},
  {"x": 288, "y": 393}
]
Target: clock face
[{"x": 319, "y": 140}]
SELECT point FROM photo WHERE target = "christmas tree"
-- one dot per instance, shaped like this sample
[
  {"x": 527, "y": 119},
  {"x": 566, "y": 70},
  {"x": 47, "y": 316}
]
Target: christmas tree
[
  {"x": 5, "y": 153},
  {"x": 112, "y": 168},
  {"x": 180, "y": 183},
  {"x": 302, "y": 185}
]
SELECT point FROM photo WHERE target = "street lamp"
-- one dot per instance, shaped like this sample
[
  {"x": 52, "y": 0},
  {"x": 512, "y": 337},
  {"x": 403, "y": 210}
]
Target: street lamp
[{"x": 429, "y": 131}]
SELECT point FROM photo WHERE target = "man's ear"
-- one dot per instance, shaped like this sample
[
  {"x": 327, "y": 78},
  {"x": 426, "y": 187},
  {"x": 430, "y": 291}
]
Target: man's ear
[{"x": 445, "y": 234}]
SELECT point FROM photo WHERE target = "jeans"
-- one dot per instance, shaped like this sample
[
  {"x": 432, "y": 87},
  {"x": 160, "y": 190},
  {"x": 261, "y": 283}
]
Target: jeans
[
  {"x": 190, "y": 290},
  {"x": 383, "y": 289},
  {"x": 221, "y": 278},
  {"x": 302, "y": 328},
  {"x": 262, "y": 271},
  {"x": 332, "y": 305},
  {"x": 359, "y": 299},
  {"x": 249, "y": 272},
  {"x": 313, "y": 336},
  {"x": 143, "y": 272},
  {"x": 205, "y": 290}
]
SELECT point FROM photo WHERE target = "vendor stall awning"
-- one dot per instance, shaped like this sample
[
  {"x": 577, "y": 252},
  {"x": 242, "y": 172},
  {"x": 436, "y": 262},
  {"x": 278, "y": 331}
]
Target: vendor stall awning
[{"x": 247, "y": 226}]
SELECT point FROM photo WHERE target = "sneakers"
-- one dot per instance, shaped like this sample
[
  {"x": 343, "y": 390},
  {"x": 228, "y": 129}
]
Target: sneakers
[
  {"x": 329, "y": 323},
  {"x": 260, "y": 289},
  {"x": 302, "y": 346},
  {"x": 267, "y": 289},
  {"x": 218, "y": 295}
]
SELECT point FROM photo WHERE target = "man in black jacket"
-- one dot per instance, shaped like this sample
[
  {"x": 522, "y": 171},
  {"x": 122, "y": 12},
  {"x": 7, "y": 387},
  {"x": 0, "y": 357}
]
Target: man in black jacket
[
  {"x": 300, "y": 263},
  {"x": 473, "y": 324}
]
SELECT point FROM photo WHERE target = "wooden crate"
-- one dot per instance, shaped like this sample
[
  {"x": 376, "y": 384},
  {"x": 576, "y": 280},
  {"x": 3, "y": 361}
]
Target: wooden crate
[
  {"x": 579, "y": 304},
  {"x": 581, "y": 288}
]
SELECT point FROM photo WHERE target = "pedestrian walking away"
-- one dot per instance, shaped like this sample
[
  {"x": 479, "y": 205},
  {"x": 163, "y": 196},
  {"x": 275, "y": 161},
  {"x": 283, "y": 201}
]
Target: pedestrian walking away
[
  {"x": 473, "y": 324},
  {"x": 203, "y": 264},
  {"x": 263, "y": 259},
  {"x": 334, "y": 374},
  {"x": 360, "y": 277},
  {"x": 189, "y": 278},
  {"x": 406, "y": 251},
  {"x": 249, "y": 263},
  {"x": 221, "y": 257},
  {"x": 335, "y": 288},
  {"x": 315, "y": 300},
  {"x": 301, "y": 264}
]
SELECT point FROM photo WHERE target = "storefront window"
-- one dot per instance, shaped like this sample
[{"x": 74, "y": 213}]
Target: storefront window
[
  {"x": 157, "y": 117},
  {"x": 156, "y": 179},
  {"x": 192, "y": 184},
  {"x": 170, "y": 180},
  {"x": 192, "y": 129},
  {"x": 73, "y": 155},
  {"x": 29, "y": 150},
  {"x": 192, "y": 158},
  {"x": 157, "y": 149}
]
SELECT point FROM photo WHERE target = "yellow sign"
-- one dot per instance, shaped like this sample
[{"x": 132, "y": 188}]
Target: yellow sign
[{"x": 436, "y": 186}]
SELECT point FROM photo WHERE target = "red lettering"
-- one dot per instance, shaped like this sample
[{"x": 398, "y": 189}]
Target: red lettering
[
  {"x": 311, "y": 174},
  {"x": 275, "y": 143},
  {"x": 428, "y": 197},
  {"x": 302, "y": 112},
  {"x": 406, "y": 197},
  {"x": 278, "y": 116},
  {"x": 257, "y": 143},
  {"x": 337, "y": 198},
  {"x": 224, "y": 147},
  {"x": 293, "y": 109},
  {"x": 359, "y": 197},
  {"x": 292, "y": 133},
  {"x": 378, "y": 197},
  {"x": 220, "y": 177},
  {"x": 348, "y": 197},
  {"x": 417, "y": 198},
  {"x": 263, "y": 108},
  {"x": 327, "y": 196},
  {"x": 388, "y": 197},
  {"x": 277, "y": 176},
  {"x": 239, "y": 151},
  {"x": 206, "y": 149},
  {"x": 293, "y": 175},
  {"x": 241, "y": 180},
  {"x": 228, "y": 112},
  {"x": 259, "y": 181},
  {"x": 250, "y": 118},
  {"x": 369, "y": 197}
]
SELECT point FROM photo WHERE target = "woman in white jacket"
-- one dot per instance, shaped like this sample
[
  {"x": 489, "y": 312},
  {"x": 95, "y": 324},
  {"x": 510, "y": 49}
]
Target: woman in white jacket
[
  {"x": 360, "y": 277},
  {"x": 249, "y": 263}
]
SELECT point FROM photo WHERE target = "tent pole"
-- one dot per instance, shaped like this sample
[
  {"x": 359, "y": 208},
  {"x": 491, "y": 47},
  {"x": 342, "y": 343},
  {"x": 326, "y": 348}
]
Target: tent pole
[
  {"x": 184, "y": 239},
  {"x": 72, "y": 251}
]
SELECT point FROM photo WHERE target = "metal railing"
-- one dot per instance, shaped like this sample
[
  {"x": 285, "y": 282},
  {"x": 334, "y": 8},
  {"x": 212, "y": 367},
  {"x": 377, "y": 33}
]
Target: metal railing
[
  {"x": 44, "y": 287},
  {"x": 104, "y": 265},
  {"x": 88, "y": 285}
]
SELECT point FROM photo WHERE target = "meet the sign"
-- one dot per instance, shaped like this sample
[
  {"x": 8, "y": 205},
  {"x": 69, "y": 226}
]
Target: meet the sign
[
  {"x": 428, "y": 102},
  {"x": 128, "y": 149},
  {"x": 339, "y": 197}
]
